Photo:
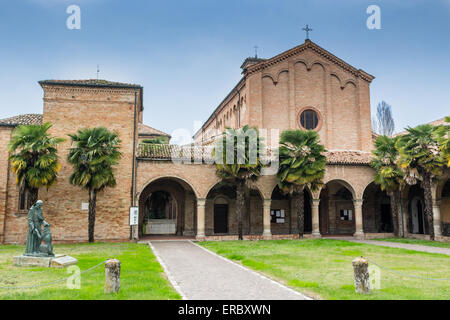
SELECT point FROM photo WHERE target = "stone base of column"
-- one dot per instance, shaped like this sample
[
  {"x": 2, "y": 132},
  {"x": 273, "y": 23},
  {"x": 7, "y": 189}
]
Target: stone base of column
[
  {"x": 316, "y": 235},
  {"x": 267, "y": 235},
  {"x": 200, "y": 237},
  {"x": 359, "y": 235},
  {"x": 437, "y": 231}
]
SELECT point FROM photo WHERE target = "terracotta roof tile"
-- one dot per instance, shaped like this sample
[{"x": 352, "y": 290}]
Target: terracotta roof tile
[
  {"x": 145, "y": 130},
  {"x": 91, "y": 82},
  {"x": 23, "y": 119},
  {"x": 175, "y": 152},
  {"x": 348, "y": 157}
]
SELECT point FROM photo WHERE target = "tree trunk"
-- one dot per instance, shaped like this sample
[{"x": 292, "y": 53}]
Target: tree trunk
[
  {"x": 32, "y": 197},
  {"x": 426, "y": 184},
  {"x": 92, "y": 211},
  {"x": 300, "y": 207},
  {"x": 240, "y": 206},
  {"x": 401, "y": 211},
  {"x": 394, "y": 207}
]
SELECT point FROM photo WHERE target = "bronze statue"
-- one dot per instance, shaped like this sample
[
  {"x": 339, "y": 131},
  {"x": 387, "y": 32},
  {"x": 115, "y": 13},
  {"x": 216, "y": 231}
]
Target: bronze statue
[
  {"x": 46, "y": 248},
  {"x": 35, "y": 234}
]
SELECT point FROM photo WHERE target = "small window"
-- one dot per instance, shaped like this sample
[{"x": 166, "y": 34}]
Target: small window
[
  {"x": 309, "y": 119},
  {"x": 346, "y": 215},
  {"x": 277, "y": 216},
  {"x": 24, "y": 200}
]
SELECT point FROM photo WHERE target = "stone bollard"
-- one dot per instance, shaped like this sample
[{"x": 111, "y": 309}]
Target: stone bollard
[
  {"x": 361, "y": 275},
  {"x": 112, "y": 276}
]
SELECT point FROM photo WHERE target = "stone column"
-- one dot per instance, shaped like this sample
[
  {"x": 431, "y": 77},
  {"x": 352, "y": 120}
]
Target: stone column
[
  {"x": 437, "y": 218},
  {"x": 359, "y": 231},
  {"x": 201, "y": 218},
  {"x": 315, "y": 218},
  {"x": 266, "y": 218}
]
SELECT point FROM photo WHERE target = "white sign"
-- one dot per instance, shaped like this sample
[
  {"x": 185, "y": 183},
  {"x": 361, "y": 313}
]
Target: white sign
[
  {"x": 85, "y": 206},
  {"x": 134, "y": 216}
]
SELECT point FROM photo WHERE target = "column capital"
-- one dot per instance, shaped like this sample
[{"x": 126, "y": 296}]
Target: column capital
[
  {"x": 201, "y": 202},
  {"x": 437, "y": 203},
  {"x": 315, "y": 202},
  {"x": 358, "y": 202},
  {"x": 267, "y": 202}
]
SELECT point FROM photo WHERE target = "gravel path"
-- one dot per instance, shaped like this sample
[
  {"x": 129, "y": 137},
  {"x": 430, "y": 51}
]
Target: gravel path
[
  {"x": 416, "y": 247},
  {"x": 199, "y": 274}
]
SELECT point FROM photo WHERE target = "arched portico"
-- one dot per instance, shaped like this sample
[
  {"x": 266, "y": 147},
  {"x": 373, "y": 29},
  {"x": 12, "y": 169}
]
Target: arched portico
[
  {"x": 221, "y": 216},
  {"x": 416, "y": 221},
  {"x": 337, "y": 209},
  {"x": 444, "y": 208},
  {"x": 376, "y": 209},
  {"x": 167, "y": 206},
  {"x": 284, "y": 219}
]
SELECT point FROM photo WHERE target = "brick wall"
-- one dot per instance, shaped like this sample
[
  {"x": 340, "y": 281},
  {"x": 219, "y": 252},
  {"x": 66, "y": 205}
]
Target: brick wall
[
  {"x": 276, "y": 95},
  {"x": 70, "y": 108},
  {"x": 5, "y": 136}
]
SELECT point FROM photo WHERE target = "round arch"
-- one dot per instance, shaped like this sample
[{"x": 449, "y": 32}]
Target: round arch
[
  {"x": 181, "y": 180},
  {"x": 345, "y": 184},
  {"x": 376, "y": 210},
  {"x": 175, "y": 201},
  {"x": 284, "y": 219},
  {"x": 336, "y": 208},
  {"x": 417, "y": 222},
  {"x": 221, "y": 218}
]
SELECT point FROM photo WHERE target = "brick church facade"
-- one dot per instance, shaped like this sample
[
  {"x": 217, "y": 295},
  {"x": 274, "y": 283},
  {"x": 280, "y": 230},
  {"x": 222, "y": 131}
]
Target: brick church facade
[{"x": 177, "y": 190}]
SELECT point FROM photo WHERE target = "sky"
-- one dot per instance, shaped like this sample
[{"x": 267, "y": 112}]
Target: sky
[{"x": 187, "y": 53}]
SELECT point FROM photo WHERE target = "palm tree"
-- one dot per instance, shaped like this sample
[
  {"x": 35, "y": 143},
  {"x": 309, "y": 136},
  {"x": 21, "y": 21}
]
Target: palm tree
[
  {"x": 237, "y": 156},
  {"x": 34, "y": 158},
  {"x": 442, "y": 135},
  {"x": 387, "y": 174},
  {"x": 421, "y": 160},
  {"x": 93, "y": 156},
  {"x": 302, "y": 163}
]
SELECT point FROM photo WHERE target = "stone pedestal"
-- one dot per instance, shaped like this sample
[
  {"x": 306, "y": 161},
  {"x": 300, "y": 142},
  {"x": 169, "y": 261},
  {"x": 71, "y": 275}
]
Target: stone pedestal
[
  {"x": 112, "y": 276},
  {"x": 361, "y": 275},
  {"x": 58, "y": 261}
]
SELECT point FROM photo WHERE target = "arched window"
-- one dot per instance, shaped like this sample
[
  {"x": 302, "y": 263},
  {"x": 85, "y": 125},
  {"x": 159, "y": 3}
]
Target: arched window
[{"x": 24, "y": 200}]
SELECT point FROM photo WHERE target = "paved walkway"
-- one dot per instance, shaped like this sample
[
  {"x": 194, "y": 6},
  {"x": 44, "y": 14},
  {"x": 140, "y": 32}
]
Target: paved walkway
[
  {"x": 202, "y": 275},
  {"x": 416, "y": 247}
]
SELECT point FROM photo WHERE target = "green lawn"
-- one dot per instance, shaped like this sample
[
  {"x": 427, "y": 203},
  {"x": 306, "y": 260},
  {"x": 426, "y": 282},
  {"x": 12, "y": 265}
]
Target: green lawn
[
  {"x": 323, "y": 268},
  {"x": 418, "y": 241},
  {"x": 141, "y": 275}
]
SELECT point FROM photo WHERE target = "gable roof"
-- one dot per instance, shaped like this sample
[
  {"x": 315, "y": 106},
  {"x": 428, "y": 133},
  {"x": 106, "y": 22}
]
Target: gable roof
[
  {"x": 308, "y": 44},
  {"x": 252, "y": 65},
  {"x": 91, "y": 83},
  {"x": 145, "y": 130},
  {"x": 23, "y": 119}
]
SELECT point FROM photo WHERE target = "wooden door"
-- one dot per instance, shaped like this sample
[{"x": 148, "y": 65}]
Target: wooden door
[{"x": 220, "y": 218}]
